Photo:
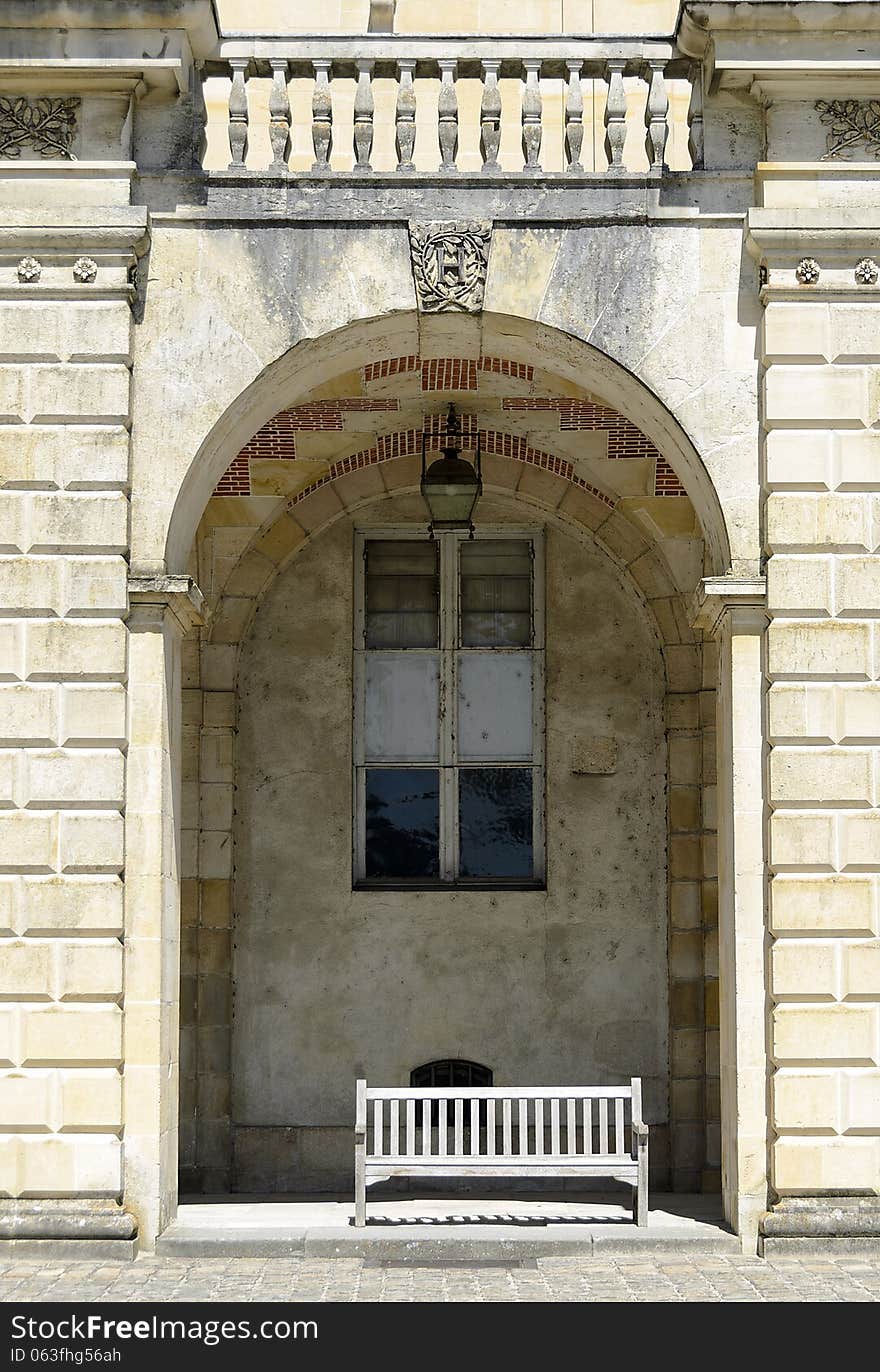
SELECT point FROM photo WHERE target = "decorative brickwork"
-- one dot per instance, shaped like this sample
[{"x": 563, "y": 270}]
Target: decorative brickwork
[
  {"x": 449, "y": 374},
  {"x": 390, "y": 366},
  {"x": 408, "y": 442},
  {"x": 236, "y": 480},
  {"x": 665, "y": 480},
  {"x": 276, "y": 439}
]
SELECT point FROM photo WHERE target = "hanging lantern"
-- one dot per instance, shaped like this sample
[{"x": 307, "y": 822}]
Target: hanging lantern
[{"x": 451, "y": 486}]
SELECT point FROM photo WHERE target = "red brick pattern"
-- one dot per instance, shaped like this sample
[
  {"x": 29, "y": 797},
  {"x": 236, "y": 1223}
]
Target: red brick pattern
[
  {"x": 449, "y": 374},
  {"x": 236, "y": 480},
  {"x": 390, "y": 366},
  {"x": 665, "y": 480},
  {"x": 276, "y": 439},
  {"x": 504, "y": 366},
  {"x": 408, "y": 442}
]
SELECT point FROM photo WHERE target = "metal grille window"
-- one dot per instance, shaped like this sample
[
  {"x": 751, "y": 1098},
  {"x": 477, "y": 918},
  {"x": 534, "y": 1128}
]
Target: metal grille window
[
  {"x": 448, "y": 745},
  {"x": 450, "y": 1072}
]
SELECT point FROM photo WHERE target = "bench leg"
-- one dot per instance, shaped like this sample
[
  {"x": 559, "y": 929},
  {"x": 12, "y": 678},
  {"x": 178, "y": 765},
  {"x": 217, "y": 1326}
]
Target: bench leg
[
  {"x": 640, "y": 1192},
  {"x": 360, "y": 1185}
]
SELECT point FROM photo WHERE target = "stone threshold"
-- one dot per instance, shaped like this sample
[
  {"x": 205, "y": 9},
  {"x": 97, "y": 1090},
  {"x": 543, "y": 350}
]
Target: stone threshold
[{"x": 425, "y": 1229}]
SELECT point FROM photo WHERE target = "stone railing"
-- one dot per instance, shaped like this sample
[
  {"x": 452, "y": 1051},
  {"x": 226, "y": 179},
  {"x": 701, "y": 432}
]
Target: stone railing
[{"x": 480, "y": 107}]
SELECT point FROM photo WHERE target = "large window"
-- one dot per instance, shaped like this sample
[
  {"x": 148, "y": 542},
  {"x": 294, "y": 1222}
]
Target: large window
[{"x": 448, "y": 744}]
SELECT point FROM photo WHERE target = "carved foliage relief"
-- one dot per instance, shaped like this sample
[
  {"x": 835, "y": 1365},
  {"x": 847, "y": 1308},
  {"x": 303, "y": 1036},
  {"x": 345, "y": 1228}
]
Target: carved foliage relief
[
  {"x": 45, "y": 126},
  {"x": 853, "y": 127},
  {"x": 449, "y": 265}
]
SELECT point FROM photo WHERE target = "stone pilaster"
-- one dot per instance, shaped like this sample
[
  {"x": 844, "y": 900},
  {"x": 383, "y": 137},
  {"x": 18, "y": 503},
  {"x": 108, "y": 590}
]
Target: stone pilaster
[
  {"x": 163, "y": 609},
  {"x": 733, "y": 613},
  {"x": 65, "y": 352},
  {"x": 822, "y": 360}
]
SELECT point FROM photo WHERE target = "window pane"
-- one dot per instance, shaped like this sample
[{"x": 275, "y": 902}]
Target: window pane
[
  {"x": 495, "y": 821},
  {"x": 496, "y": 593},
  {"x": 402, "y": 822},
  {"x": 402, "y": 711},
  {"x": 495, "y": 706},
  {"x": 402, "y": 594}
]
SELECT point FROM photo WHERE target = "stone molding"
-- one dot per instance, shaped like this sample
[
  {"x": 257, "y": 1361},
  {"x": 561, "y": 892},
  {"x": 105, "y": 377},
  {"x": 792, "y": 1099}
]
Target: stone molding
[
  {"x": 179, "y": 594},
  {"x": 782, "y": 241},
  {"x": 111, "y": 241},
  {"x": 65, "y": 1219},
  {"x": 797, "y": 1221},
  {"x": 746, "y": 597}
]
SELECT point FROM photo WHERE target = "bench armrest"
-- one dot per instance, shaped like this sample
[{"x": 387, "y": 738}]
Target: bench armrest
[{"x": 639, "y": 1129}]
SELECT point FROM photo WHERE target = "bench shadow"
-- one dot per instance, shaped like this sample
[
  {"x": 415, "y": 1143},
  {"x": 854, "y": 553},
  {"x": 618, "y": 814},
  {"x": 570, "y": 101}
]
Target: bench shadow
[{"x": 495, "y": 1219}]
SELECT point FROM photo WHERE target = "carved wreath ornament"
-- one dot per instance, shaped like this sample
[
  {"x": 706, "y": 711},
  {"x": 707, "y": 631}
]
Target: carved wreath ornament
[
  {"x": 853, "y": 125},
  {"x": 449, "y": 265},
  {"x": 46, "y": 125}
]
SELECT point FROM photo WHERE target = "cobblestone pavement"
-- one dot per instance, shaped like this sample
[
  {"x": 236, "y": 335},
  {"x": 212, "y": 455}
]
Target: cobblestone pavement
[{"x": 343, "y": 1279}]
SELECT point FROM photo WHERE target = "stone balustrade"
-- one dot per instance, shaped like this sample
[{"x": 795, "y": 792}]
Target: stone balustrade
[{"x": 480, "y": 107}]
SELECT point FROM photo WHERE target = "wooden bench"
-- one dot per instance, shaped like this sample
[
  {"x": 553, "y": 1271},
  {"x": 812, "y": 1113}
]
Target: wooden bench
[{"x": 506, "y": 1131}]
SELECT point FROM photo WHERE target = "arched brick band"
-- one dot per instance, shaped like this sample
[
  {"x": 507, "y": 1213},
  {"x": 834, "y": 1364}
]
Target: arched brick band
[
  {"x": 277, "y": 437},
  {"x": 408, "y": 443}
]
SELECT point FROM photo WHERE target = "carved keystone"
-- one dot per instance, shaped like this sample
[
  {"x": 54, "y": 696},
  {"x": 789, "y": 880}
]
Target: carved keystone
[{"x": 449, "y": 263}]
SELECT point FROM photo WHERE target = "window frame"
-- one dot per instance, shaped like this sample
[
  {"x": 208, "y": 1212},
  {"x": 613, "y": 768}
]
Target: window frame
[{"x": 448, "y": 653}]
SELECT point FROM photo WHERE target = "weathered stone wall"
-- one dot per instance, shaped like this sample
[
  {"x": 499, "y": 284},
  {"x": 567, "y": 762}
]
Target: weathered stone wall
[{"x": 559, "y": 985}]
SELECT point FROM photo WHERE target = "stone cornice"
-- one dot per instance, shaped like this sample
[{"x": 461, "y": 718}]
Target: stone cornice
[
  {"x": 773, "y": 48},
  {"x": 780, "y": 240},
  {"x": 746, "y": 597},
  {"x": 52, "y": 26}
]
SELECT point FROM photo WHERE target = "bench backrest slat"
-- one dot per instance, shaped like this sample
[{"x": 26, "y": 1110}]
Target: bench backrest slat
[
  {"x": 498, "y": 1092},
  {"x": 540, "y": 1123}
]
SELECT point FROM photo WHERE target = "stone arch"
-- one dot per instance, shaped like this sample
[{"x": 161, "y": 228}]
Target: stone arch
[
  {"x": 314, "y": 363},
  {"x": 591, "y": 515}
]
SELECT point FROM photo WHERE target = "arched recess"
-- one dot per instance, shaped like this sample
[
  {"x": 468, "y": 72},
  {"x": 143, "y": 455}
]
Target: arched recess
[
  {"x": 663, "y": 596},
  {"x": 314, "y": 363}
]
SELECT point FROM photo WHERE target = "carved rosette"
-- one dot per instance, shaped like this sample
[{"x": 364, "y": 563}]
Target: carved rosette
[
  {"x": 853, "y": 127},
  {"x": 449, "y": 264},
  {"x": 85, "y": 269},
  {"x": 807, "y": 271},
  {"x": 29, "y": 270},
  {"x": 867, "y": 273},
  {"x": 45, "y": 126}
]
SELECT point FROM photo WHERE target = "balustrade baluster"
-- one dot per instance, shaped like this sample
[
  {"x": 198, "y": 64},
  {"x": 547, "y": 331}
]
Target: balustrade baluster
[
  {"x": 279, "y": 116},
  {"x": 695, "y": 116},
  {"x": 238, "y": 113},
  {"x": 531, "y": 115},
  {"x": 574, "y": 118},
  {"x": 447, "y": 110},
  {"x": 405, "y": 115},
  {"x": 322, "y": 118},
  {"x": 615, "y": 116},
  {"x": 656, "y": 110},
  {"x": 199, "y": 115},
  {"x": 363, "y": 116},
  {"x": 490, "y": 118}
]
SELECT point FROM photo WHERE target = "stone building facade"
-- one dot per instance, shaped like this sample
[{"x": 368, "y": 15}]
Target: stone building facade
[{"x": 244, "y": 270}]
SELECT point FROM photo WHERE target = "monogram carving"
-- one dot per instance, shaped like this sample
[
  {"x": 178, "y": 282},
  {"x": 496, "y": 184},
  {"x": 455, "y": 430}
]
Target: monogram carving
[
  {"x": 46, "y": 125},
  {"x": 449, "y": 264}
]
